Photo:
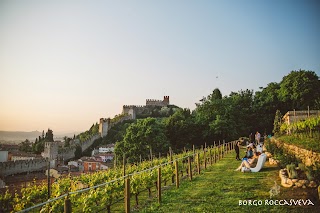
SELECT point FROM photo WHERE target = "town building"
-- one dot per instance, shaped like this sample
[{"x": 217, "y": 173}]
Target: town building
[
  {"x": 107, "y": 148},
  {"x": 105, "y": 157},
  {"x": 91, "y": 164}
]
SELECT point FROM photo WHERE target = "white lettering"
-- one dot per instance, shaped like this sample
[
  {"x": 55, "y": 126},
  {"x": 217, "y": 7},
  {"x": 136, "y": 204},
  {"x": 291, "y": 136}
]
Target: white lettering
[
  {"x": 290, "y": 202},
  {"x": 299, "y": 202},
  {"x": 286, "y": 203},
  {"x": 295, "y": 202},
  {"x": 310, "y": 202}
]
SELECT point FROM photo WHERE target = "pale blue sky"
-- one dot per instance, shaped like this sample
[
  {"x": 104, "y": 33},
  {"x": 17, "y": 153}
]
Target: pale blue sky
[{"x": 65, "y": 64}]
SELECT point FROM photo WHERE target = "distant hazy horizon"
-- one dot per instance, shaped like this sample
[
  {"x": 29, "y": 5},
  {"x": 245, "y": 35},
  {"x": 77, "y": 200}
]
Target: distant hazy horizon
[
  {"x": 65, "y": 64},
  {"x": 19, "y": 136}
]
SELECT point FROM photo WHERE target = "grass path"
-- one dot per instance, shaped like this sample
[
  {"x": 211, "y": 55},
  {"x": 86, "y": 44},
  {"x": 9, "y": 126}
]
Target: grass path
[{"x": 219, "y": 189}]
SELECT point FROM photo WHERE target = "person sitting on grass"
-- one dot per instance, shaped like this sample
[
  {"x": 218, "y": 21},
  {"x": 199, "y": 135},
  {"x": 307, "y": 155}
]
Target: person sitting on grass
[
  {"x": 248, "y": 162},
  {"x": 259, "y": 148},
  {"x": 249, "y": 152}
]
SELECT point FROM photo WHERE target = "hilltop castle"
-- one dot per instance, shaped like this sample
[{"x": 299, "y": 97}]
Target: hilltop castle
[
  {"x": 51, "y": 148},
  {"x": 131, "y": 112}
]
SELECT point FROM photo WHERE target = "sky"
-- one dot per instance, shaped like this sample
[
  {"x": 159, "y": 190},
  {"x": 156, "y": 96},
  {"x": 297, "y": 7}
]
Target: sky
[{"x": 65, "y": 64}]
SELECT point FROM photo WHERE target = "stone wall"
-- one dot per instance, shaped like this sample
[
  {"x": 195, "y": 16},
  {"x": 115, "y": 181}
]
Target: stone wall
[
  {"x": 68, "y": 153},
  {"x": 306, "y": 156},
  {"x": 21, "y": 166},
  {"x": 14, "y": 167},
  {"x": 86, "y": 144}
]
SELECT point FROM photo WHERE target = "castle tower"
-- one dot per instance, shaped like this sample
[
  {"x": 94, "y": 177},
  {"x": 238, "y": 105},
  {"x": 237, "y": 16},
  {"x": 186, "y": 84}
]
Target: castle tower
[
  {"x": 50, "y": 150},
  {"x": 166, "y": 101},
  {"x": 130, "y": 110},
  {"x": 104, "y": 126}
]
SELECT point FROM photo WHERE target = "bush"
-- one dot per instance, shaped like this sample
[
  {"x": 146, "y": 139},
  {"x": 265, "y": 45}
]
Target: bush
[{"x": 281, "y": 154}]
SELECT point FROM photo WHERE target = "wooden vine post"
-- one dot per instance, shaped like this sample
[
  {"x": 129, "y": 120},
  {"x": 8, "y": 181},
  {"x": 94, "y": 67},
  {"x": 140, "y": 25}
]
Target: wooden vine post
[
  {"x": 127, "y": 195},
  {"x": 177, "y": 173},
  {"x": 159, "y": 185},
  {"x": 205, "y": 158},
  {"x": 198, "y": 162},
  {"x": 214, "y": 153},
  {"x": 228, "y": 147},
  {"x": 210, "y": 154},
  {"x": 223, "y": 148},
  {"x": 67, "y": 205},
  {"x": 170, "y": 153},
  {"x": 189, "y": 168},
  {"x": 48, "y": 179},
  {"x": 151, "y": 157},
  {"x": 124, "y": 164}
]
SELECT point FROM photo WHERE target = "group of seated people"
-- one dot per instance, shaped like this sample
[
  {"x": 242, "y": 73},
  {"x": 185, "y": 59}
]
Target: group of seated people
[{"x": 251, "y": 158}]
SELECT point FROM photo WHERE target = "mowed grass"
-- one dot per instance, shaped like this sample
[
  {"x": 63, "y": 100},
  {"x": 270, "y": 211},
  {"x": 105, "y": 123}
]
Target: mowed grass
[{"x": 219, "y": 189}]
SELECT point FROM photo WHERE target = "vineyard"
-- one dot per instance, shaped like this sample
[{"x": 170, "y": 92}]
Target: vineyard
[
  {"x": 305, "y": 134},
  {"x": 101, "y": 190},
  {"x": 307, "y": 128}
]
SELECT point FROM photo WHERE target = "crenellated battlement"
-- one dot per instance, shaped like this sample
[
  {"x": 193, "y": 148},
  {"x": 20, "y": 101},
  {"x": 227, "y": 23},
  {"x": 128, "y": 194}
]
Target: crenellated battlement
[
  {"x": 21, "y": 166},
  {"x": 133, "y": 106},
  {"x": 153, "y": 102}
]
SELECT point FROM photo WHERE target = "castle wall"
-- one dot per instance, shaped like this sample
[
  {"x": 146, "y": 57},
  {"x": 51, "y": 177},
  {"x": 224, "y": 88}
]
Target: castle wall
[
  {"x": 86, "y": 144},
  {"x": 21, "y": 166},
  {"x": 68, "y": 153},
  {"x": 152, "y": 102},
  {"x": 11, "y": 167},
  {"x": 124, "y": 118},
  {"x": 132, "y": 110},
  {"x": 3, "y": 156}
]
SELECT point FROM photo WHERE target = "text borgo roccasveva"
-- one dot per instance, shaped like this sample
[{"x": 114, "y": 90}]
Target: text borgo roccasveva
[{"x": 291, "y": 202}]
